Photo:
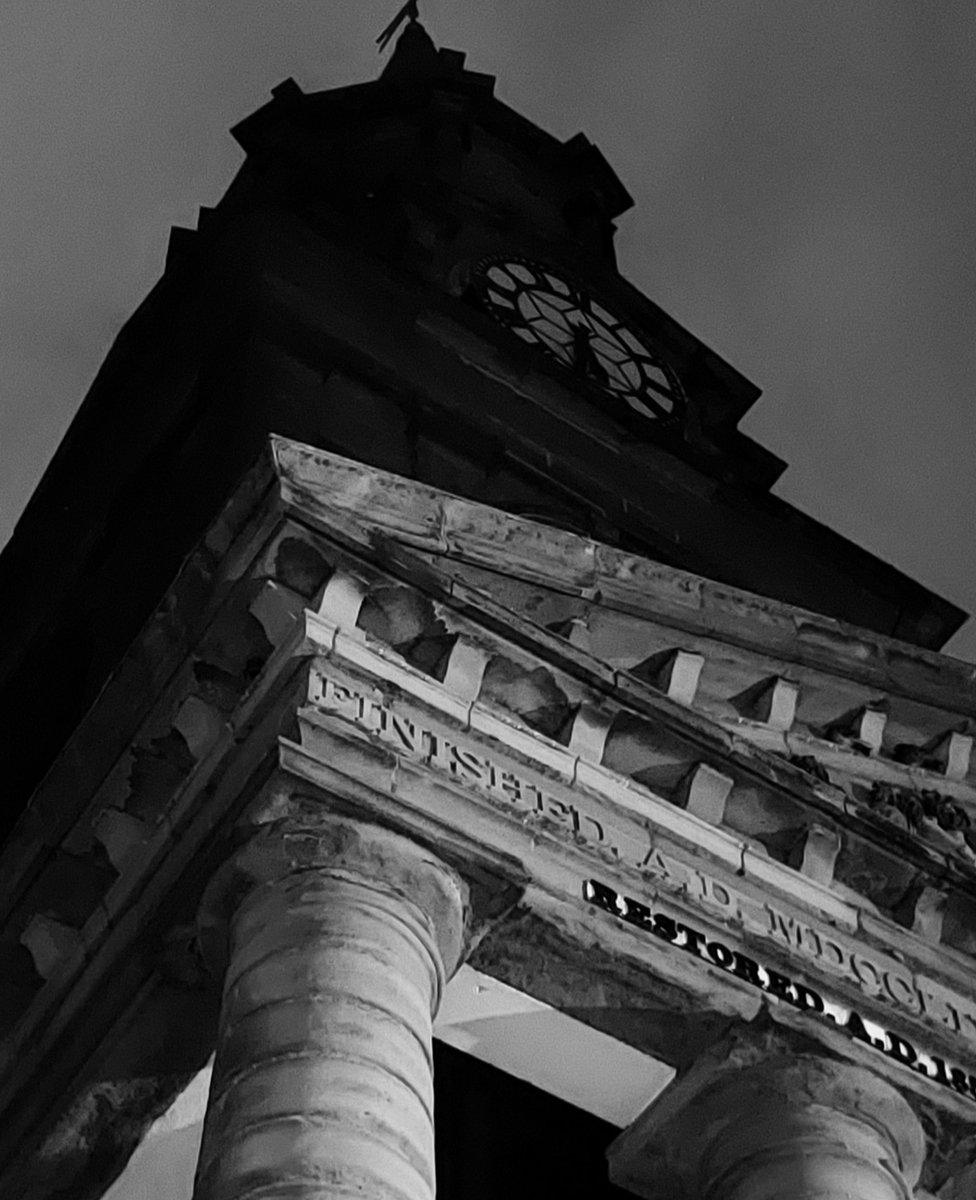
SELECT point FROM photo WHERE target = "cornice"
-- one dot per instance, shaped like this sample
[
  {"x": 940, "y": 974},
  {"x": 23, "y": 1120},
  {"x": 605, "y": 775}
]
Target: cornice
[{"x": 455, "y": 528}]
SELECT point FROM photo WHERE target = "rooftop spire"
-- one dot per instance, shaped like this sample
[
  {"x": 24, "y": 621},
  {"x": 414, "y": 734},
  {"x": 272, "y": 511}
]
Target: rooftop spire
[
  {"x": 415, "y": 56},
  {"x": 410, "y": 11}
]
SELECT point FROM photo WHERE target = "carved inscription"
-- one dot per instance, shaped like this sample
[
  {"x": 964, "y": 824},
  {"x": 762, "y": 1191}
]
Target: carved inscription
[
  {"x": 473, "y": 769},
  {"x": 782, "y": 987},
  {"x": 877, "y": 976}
]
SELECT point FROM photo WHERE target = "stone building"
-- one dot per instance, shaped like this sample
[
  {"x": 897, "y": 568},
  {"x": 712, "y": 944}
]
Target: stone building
[{"x": 405, "y": 604}]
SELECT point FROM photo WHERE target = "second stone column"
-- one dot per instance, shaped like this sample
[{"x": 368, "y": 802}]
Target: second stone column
[
  {"x": 339, "y": 936},
  {"x": 779, "y": 1126}
]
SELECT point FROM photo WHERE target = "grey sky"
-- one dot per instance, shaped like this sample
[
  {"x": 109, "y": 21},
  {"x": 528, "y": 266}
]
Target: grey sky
[{"x": 804, "y": 175}]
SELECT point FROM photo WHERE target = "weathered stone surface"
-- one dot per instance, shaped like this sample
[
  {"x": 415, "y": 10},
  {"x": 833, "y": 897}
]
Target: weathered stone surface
[
  {"x": 50, "y": 942},
  {"x": 542, "y": 958},
  {"x": 406, "y": 621},
  {"x": 521, "y": 706},
  {"x": 532, "y": 694},
  {"x": 679, "y": 599},
  {"x": 342, "y": 936},
  {"x": 705, "y": 792},
  {"x": 673, "y": 671},
  {"x": 162, "y": 1043},
  {"x": 404, "y": 510},
  {"x": 758, "y": 1123}
]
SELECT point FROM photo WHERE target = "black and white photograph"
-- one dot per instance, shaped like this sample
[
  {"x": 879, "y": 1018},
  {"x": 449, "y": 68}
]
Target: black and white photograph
[{"x": 487, "y": 547}]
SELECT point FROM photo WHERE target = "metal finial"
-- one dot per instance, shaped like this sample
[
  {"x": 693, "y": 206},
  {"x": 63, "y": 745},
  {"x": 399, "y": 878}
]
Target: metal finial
[
  {"x": 585, "y": 361},
  {"x": 408, "y": 12}
]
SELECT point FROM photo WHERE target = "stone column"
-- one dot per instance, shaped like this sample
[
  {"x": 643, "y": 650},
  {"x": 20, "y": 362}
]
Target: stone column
[
  {"x": 791, "y": 1128},
  {"x": 338, "y": 938}
]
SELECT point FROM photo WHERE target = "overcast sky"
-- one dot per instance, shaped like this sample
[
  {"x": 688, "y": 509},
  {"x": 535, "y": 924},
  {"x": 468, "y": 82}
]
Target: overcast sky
[{"x": 804, "y": 176}]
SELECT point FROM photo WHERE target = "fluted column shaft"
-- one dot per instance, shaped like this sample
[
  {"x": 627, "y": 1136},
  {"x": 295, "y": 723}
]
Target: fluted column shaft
[{"x": 340, "y": 939}]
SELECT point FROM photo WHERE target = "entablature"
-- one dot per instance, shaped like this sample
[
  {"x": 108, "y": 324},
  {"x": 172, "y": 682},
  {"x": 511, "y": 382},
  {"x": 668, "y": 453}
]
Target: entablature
[{"x": 322, "y": 643}]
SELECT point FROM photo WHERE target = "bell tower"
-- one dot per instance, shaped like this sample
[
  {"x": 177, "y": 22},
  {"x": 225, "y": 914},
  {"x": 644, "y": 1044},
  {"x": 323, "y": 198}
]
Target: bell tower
[
  {"x": 405, "y": 592},
  {"x": 411, "y": 274}
]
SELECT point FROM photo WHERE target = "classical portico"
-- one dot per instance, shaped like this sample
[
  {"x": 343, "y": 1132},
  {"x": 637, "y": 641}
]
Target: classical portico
[
  {"x": 420, "y": 773},
  {"x": 335, "y": 937}
]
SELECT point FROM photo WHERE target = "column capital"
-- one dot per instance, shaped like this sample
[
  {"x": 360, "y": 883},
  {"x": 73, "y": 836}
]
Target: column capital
[
  {"x": 336, "y": 937},
  {"x": 343, "y": 847},
  {"x": 765, "y": 1128}
]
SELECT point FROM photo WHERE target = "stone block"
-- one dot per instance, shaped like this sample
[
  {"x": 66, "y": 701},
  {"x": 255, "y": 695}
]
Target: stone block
[
  {"x": 576, "y": 631},
  {"x": 929, "y": 914},
  {"x": 465, "y": 669},
  {"x": 661, "y": 815},
  {"x": 588, "y": 736},
  {"x": 158, "y": 771},
  {"x": 765, "y": 815},
  {"x": 277, "y": 609},
  {"x": 411, "y": 681},
  {"x": 508, "y": 735},
  {"x": 951, "y": 752},
  {"x": 19, "y": 982},
  {"x": 121, "y": 834},
  {"x": 320, "y": 634},
  {"x": 675, "y": 672},
  {"x": 871, "y": 727},
  {"x": 862, "y": 729},
  {"x": 514, "y": 545},
  {"x": 298, "y": 565},
  {"x": 531, "y": 693},
  {"x": 50, "y": 943},
  {"x": 705, "y": 792},
  {"x": 647, "y": 584},
  {"x": 772, "y": 701},
  {"x": 881, "y": 877},
  {"x": 959, "y": 924},
  {"x": 820, "y": 852},
  {"x": 369, "y": 764},
  {"x": 646, "y": 751},
  {"x": 342, "y": 599},
  {"x": 398, "y": 616},
  {"x": 314, "y": 483},
  {"x": 798, "y": 888},
  {"x": 200, "y": 725},
  {"x": 70, "y": 886}
]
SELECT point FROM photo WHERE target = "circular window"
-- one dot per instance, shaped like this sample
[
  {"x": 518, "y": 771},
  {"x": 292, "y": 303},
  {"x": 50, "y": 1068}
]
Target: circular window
[{"x": 544, "y": 308}]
